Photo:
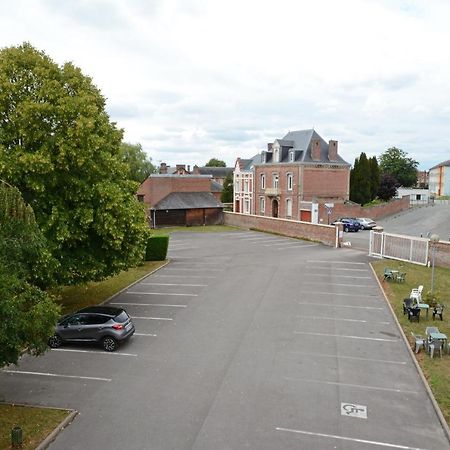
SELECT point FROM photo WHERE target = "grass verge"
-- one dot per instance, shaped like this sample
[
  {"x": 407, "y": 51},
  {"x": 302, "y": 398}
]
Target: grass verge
[
  {"x": 436, "y": 370},
  {"x": 72, "y": 298},
  {"x": 36, "y": 423}
]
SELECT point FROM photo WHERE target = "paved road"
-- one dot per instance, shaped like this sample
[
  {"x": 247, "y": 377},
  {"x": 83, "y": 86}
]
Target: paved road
[
  {"x": 418, "y": 221},
  {"x": 244, "y": 341}
]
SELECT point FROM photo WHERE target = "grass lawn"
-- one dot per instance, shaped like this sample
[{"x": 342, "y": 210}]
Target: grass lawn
[
  {"x": 72, "y": 298},
  {"x": 199, "y": 229},
  {"x": 36, "y": 423},
  {"x": 436, "y": 370}
]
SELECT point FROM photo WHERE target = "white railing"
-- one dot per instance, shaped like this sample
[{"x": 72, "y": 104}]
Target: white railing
[{"x": 396, "y": 246}]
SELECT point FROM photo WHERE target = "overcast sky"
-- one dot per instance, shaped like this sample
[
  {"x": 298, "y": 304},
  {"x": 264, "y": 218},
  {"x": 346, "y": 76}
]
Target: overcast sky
[{"x": 196, "y": 79}]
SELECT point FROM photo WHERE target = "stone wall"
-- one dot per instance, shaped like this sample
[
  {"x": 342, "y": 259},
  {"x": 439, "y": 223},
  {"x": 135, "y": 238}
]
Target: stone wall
[
  {"x": 442, "y": 253},
  {"x": 292, "y": 228}
]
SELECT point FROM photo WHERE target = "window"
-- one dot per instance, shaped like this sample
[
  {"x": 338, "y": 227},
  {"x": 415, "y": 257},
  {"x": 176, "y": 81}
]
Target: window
[
  {"x": 289, "y": 183},
  {"x": 245, "y": 185},
  {"x": 275, "y": 155},
  {"x": 288, "y": 207},
  {"x": 247, "y": 206},
  {"x": 238, "y": 186},
  {"x": 263, "y": 181},
  {"x": 262, "y": 205},
  {"x": 291, "y": 157},
  {"x": 140, "y": 197},
  {"x": 275, "y": 181}
]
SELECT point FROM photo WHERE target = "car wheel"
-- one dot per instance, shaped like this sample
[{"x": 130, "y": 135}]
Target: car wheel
[
  {"x": 109, "y": 344},
  {"x": 55, "y": 341},
  {"x": 346, "y": 229}
]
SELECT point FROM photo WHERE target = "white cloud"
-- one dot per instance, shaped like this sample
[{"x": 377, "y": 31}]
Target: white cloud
[{"x": 195, "y": 79}]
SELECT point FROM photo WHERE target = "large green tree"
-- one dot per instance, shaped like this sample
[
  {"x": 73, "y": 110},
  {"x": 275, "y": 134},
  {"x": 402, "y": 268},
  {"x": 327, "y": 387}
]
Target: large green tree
[
  {"x": 214, "y": 162},
  {"x": 396, "y": 163},
  {"x": 360, "y": 180},
  {"x": 374, "y": 177},
  {"x": 59, "y": 147},
  {"x": 28, "y": 314},
  {"x": 139, "y": 164},
  {"x": 227, "y": 191}
]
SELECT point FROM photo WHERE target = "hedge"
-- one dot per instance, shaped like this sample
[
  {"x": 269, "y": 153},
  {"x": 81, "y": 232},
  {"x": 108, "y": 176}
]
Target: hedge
[{"x": 157, "y": 248}]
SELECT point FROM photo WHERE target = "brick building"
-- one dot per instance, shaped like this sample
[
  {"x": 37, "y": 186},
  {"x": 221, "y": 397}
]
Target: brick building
[
  {"x": 243, "y": 185},
  {"x": 173, "y": 199},
  {"x": 298, "y": 175},
  {"x": 218, "y": 174},
  {"x": 439, "y": 179}
]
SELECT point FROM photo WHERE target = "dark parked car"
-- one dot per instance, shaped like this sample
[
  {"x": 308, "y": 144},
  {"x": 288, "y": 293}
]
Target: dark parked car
[
  {"x": 349, "y": 224},
  {"x": 105, "y": 325}
]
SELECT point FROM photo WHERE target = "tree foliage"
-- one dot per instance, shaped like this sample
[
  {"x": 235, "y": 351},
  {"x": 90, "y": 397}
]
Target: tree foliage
[
  {"x": 360, "y": 180},
  {"x": 213, "y": 162},
  {"x": 139, "y": 164},
  {"x": 28, "y": 314},
  {"x": 396, "y": 163},
  {"x": 227, "y": 191},
  {"x": 58, "y": 146},
  {"x": 374, "y": 174},
  {"x": 388, "y": 187}
]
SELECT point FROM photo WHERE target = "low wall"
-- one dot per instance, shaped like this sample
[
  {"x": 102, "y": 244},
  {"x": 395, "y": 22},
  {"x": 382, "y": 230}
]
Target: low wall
[
  {"x": 441, "y": 254},
  {"x": 374, "y": 212},
  {"x": 292, "y": 228}
]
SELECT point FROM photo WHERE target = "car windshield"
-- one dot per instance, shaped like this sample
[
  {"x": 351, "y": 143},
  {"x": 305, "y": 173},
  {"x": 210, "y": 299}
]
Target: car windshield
[{"x": 122, "y": 317}]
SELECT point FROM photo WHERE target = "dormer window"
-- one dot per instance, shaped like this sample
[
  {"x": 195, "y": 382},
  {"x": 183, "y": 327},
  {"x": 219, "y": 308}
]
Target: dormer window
[
  {"x": 276, "y": 155},
  {"x": 291, "y": 156}
]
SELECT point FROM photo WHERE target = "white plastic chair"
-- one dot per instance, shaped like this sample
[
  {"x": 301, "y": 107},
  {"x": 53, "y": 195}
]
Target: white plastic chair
[
  {"x": 434, "y": 346},
  {"x": 419, "y": 342}
]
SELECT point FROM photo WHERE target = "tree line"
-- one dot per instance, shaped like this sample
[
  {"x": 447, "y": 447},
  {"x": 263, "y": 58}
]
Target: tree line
[{"x": 374, "y": 178}]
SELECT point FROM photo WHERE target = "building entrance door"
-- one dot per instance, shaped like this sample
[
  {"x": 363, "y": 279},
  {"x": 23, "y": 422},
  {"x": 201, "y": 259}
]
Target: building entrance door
[{"x": 275, "y": 208}]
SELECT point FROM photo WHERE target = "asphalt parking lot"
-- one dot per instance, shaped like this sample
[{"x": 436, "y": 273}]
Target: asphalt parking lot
[{"x": 244, "y": 341}]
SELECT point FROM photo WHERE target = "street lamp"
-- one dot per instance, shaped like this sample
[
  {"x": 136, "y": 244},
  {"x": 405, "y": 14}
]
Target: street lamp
[{"x": 434, "y": 238}]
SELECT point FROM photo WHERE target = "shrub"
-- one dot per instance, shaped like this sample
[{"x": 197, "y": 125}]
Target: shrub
[
  {"x": 157, "y": 248},
  {"x": 432, "y": 298}
]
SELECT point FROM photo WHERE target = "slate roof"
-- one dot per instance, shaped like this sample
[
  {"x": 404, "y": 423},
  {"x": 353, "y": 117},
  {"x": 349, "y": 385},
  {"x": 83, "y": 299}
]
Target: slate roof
[
  {"x": 300, "y": 143},
  {"x": 246, "y": 164},
  {"x": 188, "y": 200},
  {"x": 442, "y": 164},
  {"x": 215, "y": 186},
  {"x": 216, "y": 172}
]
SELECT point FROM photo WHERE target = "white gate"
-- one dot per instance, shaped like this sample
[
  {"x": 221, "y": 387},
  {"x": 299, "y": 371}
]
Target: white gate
[{"x": 396, "y": 246}]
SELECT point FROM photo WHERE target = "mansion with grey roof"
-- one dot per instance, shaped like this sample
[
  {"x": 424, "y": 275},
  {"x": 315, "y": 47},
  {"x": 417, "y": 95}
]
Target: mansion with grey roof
[{"x": 292, "y": 178}]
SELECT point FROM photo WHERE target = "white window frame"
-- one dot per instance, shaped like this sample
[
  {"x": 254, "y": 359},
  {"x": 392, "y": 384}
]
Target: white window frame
[
  {"x": 288, "y": 208},
  {"x": 246, "y": 206},
  {"x": 263, "y": 181},
  {"x": 262, "y": 205},
  {"x": 290, "y": 181},
  {"x": 291, "y": 157},
  {"x": 275, "y": 181},
  {"x": 246, "y": 185}
]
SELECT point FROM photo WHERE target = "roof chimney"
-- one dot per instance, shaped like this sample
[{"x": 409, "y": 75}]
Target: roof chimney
[
  {"x": 163, "y": 168},
  {"x": 332, "y": 150},
  {"x": 315, "y": 149}
]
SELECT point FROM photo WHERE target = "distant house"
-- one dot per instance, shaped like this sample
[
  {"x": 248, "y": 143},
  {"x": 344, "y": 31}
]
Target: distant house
[
  {"x": 416, "y": 196},
  {"x": 179, "y": 169},
  {"x": 243, "y": 183},
  {"x": 298, "y": 175},
  {"x": 439, "y": 179},
  {"x": 181, "y": 200},
  {"x": 218, "y": 174}
]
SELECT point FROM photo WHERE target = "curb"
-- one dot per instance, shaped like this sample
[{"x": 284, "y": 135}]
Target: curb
[
  {"x": 416, "y": 364},
  {"x": 52, "y": 436},
  {"x": 133, "y": 283}
]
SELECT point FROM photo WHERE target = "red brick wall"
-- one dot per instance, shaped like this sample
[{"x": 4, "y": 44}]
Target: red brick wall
[
  {"x": 373, "y": 212},
  {"x": 325, "y": 183},
  {"x": 155, "y": 189},
  {"x": 321, "y": 233}
]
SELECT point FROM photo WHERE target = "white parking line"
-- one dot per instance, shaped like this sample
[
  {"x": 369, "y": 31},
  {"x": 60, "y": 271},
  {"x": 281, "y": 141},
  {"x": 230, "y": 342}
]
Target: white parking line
[
  {"x": 403, "y": 363},
  {"x": 43, "y": 374},
  {"x": 182, "y": 276},
  {"x": 339, "y": 268},
  {"x": 209, "y": 270},
  {"x": 344, "y": 438},
  {"x": 335, "y": 262},
  {"x": 160, "y": 293},
  {"x": 151, "y": 318},
  {"x": 346, "y": 336},
  {"x": 174, "y": 284},
  {"x": 92, "y": 351},
  {"x": 148, "y": 304},
  {"x": 341, "y": 306},
  {"x": 341, "y": 293},
  {"x": 327, "y": 275},
  {"x": 337, "y": 284},
  {"x": 358, "y": 386},
  {"x": 338, "y": 319},
  {"x": 144, "y": 334}
]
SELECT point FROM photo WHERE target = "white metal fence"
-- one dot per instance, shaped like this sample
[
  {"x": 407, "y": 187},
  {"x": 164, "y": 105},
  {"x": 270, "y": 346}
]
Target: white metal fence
[{"x": 396, "y": 246}]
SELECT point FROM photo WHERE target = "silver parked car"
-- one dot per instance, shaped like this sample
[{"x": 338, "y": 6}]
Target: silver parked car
[
  {"x": 105, "y": 325},
  {"x": 366, "y": 223}
]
